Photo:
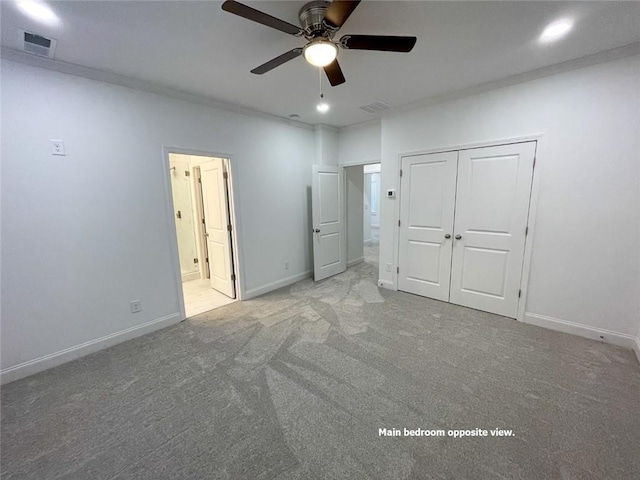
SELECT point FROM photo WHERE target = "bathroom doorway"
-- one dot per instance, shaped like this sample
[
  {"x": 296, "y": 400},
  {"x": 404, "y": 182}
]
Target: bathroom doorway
[{"x": 202, "y": 212}]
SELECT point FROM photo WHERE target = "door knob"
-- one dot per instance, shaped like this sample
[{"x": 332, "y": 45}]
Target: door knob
[
  {"x": 317, "y": 230},
  {"x": 447, "y": 235},
  {"x": 458, "y": 237}
]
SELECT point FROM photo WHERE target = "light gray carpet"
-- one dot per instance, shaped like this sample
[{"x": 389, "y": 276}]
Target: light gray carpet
[{"x": 297, "y": 384}]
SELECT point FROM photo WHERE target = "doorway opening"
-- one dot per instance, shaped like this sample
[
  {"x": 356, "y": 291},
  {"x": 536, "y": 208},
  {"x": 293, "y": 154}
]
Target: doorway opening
[
  {"x": 371, "y": 213},
  {"x": 202, "y": 212}
]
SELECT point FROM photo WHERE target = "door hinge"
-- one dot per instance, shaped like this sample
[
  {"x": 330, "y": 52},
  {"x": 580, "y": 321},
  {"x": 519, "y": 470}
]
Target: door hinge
[
  {"x": 228, "y": 228},
  {"x": 203, "y": 221},
  {"x": 398, "y": 222},
  {"x": 206, "y": 259},
  {"x": 225, "y": 175},
  {"x": 401, "y": 172},
  {"x": 519, "y": 293},
  {"x": 233, "y": 277},
  {"x": 187, "y": 173},
  {"x": 199, "y": 180},
  {"x": 397, "y": 269},
  {"x": 195, "y": 260},
  {"x": 526, "y": 231}
]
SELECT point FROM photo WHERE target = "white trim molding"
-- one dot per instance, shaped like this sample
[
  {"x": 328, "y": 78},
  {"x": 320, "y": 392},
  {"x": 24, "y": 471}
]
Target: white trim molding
[
  {"x": 586, "y": 331},
  {"x": 355, "y": 262},
  {"x": 187, "y": 277},
  {"x": 72, "y": 353},
  {"x": 270, "y": 287}
]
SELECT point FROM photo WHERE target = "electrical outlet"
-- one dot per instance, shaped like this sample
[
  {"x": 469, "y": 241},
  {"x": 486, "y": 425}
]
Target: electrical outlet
[
  {"x": 136, "y": 306},
  {"x": 57, "y": 148},
  {"x": 388, "y": 267},
  {"x": 286, "y": 264}
]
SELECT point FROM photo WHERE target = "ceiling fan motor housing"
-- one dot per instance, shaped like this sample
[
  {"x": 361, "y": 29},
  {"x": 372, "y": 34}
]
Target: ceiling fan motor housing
[{"x": 312, "y": 19}]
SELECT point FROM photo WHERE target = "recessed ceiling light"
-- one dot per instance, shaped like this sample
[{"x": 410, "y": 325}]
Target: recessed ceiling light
[
  {"x": 323, "y": 107},
  {"x": 38, "y": 11},
  {"x": 556, "y": 30}
]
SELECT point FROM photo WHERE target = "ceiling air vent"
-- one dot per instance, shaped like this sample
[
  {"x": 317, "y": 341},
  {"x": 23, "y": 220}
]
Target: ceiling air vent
[
  {"x": 375, "y": 107},
  {"x": 37, "y": 44}
]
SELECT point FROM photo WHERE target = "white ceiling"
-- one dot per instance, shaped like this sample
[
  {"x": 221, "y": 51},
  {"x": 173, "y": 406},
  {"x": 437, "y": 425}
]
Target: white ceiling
[{"x": 198, "y": 48}]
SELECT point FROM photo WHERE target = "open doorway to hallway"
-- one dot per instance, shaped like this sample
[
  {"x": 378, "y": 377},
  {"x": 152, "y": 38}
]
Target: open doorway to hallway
[
  {"x": 202, "y": 204},
  {"x": 363, "y": 216},
  {"x": 371, "y": 212}
]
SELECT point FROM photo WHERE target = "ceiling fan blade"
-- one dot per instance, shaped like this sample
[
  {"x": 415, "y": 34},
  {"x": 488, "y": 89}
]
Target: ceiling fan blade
[
  {"x": 276, "y": 62},
  {"x": 339, "y": 11},
  {"x": 334, "y": 73},
  {"x": 249, "y": 13},
  {"x": 385, "y": 43}
]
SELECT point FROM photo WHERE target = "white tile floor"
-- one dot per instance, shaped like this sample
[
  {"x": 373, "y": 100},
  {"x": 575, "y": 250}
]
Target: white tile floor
[{"x": 199, "y": 297}]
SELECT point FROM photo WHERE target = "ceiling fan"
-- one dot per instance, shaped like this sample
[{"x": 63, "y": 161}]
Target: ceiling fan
[{"x": 320, "y": 21}]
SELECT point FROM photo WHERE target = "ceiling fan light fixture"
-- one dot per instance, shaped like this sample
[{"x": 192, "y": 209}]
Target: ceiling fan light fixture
[{"x": 320, "y": 53}]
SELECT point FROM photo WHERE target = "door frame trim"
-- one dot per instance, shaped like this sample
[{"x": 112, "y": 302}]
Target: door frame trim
[
  {"x": 533, "y": 204},
  {"x": 234, "y": 207}
]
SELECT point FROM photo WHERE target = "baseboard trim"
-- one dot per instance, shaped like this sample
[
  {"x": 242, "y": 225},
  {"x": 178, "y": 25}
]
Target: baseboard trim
[
  {"x": 46, "y": 362},
  {"x": 355, "y": 262},
  {"x": 636, "y": 348},
  {"x": 187, "y": 277},
  {"x": 270, "y": 287},
  {"x": 593, "y": 333},
  {"x": 386, "y": 284}
]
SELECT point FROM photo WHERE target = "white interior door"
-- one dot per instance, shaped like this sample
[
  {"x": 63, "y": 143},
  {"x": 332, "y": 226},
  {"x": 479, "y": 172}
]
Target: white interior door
[
  {"x": 218, "y": 226},
  {"x": 327, "y": 207},
  {"x": 428, "y": 191},
  {"x": 492, "y": 207}
]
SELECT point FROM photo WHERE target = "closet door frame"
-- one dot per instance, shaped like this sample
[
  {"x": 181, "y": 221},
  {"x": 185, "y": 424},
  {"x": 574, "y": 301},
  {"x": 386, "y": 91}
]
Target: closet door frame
[{"x": 533, "y": 203}]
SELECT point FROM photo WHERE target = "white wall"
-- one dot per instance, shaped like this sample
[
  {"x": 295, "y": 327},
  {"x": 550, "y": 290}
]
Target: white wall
[
  {"x": 355, "y": 214},
  {"x": 85, "y": 234},
  {"x": 585, "y": 269},
  {"x": 359, "y": 144},
  {"x": 326, "y": 145}
]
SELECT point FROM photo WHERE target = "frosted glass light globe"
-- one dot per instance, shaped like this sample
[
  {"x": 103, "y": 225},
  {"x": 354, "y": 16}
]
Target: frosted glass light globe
[{"x": 320, "y": 53}]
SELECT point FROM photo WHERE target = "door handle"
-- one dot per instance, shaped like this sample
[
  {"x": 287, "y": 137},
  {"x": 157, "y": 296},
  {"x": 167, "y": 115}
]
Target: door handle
[
  {"x": 447, "y": 235},
  {"x": 317, "y": 230},
  {"x": 458, "y": 237}
]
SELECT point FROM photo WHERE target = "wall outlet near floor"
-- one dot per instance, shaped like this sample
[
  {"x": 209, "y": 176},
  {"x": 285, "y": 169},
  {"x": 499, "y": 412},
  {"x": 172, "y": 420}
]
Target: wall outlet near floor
[
  {"x": 57, "y": 148},
  {"x": 388, "y": 267},
  {"x": 286, "y": 264},
  {"x": 136, "y": 306}
]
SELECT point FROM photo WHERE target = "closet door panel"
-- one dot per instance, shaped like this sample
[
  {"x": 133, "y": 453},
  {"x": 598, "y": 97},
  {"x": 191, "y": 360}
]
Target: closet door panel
[
  {"x": 427, "y": 197},
  {"x": 492, "y": 207}
]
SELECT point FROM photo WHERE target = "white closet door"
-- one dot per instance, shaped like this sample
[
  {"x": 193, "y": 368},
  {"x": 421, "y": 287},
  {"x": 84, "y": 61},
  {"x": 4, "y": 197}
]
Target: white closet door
[
  {"x": 428, "y": 189},
  {"x": 492, "y": 206}
]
